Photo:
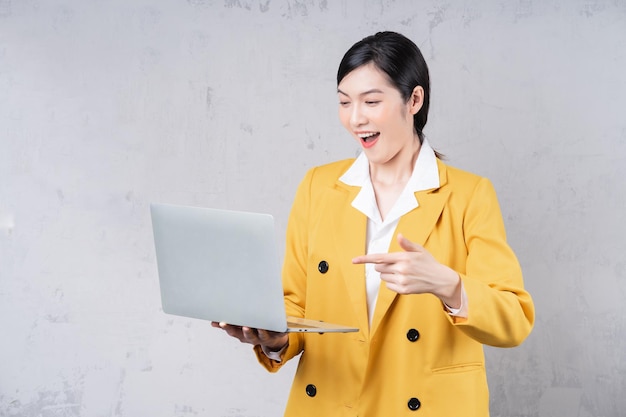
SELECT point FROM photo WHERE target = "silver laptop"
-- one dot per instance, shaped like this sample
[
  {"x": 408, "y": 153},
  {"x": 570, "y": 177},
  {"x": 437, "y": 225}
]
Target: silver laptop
[{"x": 223, "y": 266}]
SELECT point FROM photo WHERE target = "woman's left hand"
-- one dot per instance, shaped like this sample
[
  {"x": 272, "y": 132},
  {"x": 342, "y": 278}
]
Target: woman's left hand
[
  {"x": 272, "y": 341},
  {"x": 415, "y": 271}
]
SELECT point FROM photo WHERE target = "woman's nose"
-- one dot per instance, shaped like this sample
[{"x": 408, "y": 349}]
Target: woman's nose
[{"x": 357, "y": 118}]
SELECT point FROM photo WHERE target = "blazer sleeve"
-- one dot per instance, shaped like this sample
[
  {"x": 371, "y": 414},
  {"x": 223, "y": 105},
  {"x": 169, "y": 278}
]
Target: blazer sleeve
[
  {"x": 500, "y": 311},
  {"x": 294, "y": 270}
]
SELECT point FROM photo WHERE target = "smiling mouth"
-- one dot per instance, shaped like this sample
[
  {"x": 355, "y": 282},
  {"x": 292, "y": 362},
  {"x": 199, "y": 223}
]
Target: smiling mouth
[{"x": 368, "y": 139}]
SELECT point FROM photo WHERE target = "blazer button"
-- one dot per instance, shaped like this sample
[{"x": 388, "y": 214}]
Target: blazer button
[
  {"x": 412, "y": 335},
  {"x": 414, "y": 404},
  {"x": 323, "y": 267},
  {"x": 311, "y": 390}
]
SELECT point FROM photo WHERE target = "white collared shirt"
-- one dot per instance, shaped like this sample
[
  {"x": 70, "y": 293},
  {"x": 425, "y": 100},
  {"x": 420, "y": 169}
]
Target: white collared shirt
[{"x": 425, "y": 176}]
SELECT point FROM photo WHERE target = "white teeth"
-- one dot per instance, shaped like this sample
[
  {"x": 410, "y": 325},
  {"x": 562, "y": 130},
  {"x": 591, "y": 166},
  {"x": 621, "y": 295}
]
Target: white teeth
[{"x": 366, "y": 135}]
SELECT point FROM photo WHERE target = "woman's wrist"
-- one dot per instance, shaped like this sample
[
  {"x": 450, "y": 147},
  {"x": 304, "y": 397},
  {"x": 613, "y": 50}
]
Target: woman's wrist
[
  {"x": 282, "y": 343},
  {"x": 450, "y": 291}
]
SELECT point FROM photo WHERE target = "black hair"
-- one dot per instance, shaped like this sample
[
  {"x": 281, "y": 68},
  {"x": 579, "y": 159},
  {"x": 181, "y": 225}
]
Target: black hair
[{"x": 400, "y": 59}]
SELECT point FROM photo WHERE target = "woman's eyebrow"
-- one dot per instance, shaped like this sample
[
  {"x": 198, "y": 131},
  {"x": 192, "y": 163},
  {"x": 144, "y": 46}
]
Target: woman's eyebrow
[{"x": 364, "y": 93}]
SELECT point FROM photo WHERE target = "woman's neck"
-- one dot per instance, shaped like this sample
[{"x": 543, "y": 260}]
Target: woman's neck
[
  {"x": 397, "y": 170},
  {"x": 390, "y": 179}
]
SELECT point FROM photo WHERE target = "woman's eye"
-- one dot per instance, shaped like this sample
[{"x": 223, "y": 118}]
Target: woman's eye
[
  {"x": 372, "y": 102},
  {"x": 344, "y": 103}
]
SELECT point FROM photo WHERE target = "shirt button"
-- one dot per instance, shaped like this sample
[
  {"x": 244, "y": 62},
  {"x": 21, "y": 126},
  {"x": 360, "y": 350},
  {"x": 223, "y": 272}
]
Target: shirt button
[
  {"x": 414, "y": 404},
  {"x": 412, "y": 335},
  {"x": 323, "y": 267},
  {"x": 311, "y": 390}
]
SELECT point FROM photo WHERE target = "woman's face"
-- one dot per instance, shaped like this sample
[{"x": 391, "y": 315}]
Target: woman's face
[{"x": 376, "y": 115}]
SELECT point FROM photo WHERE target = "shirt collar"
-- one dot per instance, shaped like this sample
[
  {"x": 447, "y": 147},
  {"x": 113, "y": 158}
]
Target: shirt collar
[{"x": 425, "y": 176}]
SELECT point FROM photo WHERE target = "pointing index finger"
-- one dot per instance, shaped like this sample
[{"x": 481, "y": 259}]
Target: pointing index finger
[{"x": 372, "y": 258}]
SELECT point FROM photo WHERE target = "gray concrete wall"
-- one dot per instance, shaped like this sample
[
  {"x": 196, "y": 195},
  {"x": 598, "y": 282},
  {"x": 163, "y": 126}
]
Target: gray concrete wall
[{"x": 106, "y": 106}]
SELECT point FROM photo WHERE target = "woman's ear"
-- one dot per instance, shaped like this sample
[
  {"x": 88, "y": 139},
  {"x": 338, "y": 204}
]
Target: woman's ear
[{"x": 416, "y": 101}]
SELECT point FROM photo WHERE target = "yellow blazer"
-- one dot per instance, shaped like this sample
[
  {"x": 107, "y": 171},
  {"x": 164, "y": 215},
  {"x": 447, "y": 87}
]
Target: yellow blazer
[{"x": 415, "y": 359}]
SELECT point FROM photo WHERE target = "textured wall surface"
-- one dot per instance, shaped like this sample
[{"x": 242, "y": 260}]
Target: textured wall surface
[{"x": 106, "y": 106}]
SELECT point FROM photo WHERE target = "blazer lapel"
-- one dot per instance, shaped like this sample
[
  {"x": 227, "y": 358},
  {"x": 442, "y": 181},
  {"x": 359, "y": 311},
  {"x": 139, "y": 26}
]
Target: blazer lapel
[
  {"x": 415, "y": 226},
  {"x": 350, "y": 223}
]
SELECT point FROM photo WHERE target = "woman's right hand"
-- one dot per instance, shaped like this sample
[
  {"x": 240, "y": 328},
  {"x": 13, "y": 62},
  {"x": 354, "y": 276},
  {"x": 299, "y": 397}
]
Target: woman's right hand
[{"x": 267, "y": 339}]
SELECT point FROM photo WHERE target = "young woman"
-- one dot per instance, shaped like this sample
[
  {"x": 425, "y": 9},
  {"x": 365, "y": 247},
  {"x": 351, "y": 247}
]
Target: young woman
[{"x": 411, "y": 251}]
